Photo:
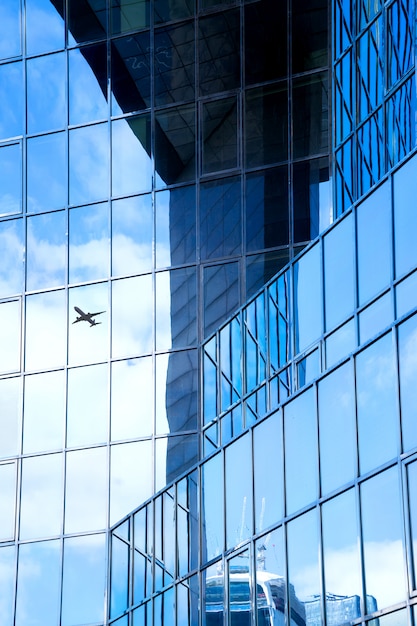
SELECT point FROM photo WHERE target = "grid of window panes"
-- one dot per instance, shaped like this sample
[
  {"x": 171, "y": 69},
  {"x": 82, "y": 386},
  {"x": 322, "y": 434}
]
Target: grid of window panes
[
  {"x": 145, "y": 162},
  {"x": 374, "y": 92},
  {"x": 309, "y": 514}
]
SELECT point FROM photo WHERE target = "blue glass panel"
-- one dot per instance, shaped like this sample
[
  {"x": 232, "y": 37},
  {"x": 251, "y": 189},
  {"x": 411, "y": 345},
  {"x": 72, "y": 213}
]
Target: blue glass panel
[
  {"x": 340, "y": 343},
  {"x": 11, "y": 251},
  {"x": 370, "y": 156},
  {"x": 221, "y": 294},
  {"x": 212, "y": 508},
  {"x": 120, "y": 559},
  {"x": 405, "y": 217},
  {"x": 44, "y": 26},
  {"x": 339, "y": 277},
  {"x": 374, "y": 253},
  {"x": 10, "y": 336},
  {"x": 131, "y": 306},
  {"x": 132, "y": 234},
  {"x": 45, "y": 318},
  {"x": 337, "y": 428},
  {"x": 405, "y": 293},
  {"x": 174, "y": 64},
  {"x": 38, "y": 584},
  {"x": 308, "y": 299},
  {"x": 11, "y": 97},
  {"x": 268, "y": 453},
  {"x": 127, "y": 15},
  {"x": 369, "y": 68},
  {"x": 407, "y": 346},
  {"x": 47, "y": 173},
  {"x": 10, "y": 410},
  {"x": 46, "y": 250},
  {"x": 83, "y": 580},
  {"x": 209, "y": 390},
  {"x": 46, "y": 103},
  {"x": 131, "y": 163},
  {"x": 382, "y": 532},
  {"x": 86, "y": 346},
  {"x": 238, "y": 491},
  {"x": 308, "y": 368},
  {"x": 44, "y": 412},
  {"x": 412, "y": 499},
  {"x": 175, "y": 226},
  {"x": 127, "y": 462},
  {"x": 10, "y": 29},
  {"x": 377, "y": 404},
  {"x": 7, "y": 565},
  {"x": 400, "y": 113},
  {"x": 301, "y": 455},
  {"x": 400, "y": 21},
  {"x": 87, "y": 405},
  {"x": 88, "y": 164},
  {"x": 176, "y": 308},
  {"x": 11, "y": 179},
  {"x": 87, "y": 88},
  {"x": 89, "y": 243},
  {"x": 376, "y": 318},
  {"x": 344, "y": 97}
]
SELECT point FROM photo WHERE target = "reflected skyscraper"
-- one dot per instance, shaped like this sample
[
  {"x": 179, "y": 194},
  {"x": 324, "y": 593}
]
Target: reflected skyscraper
[{"x": 177, "y": 166}]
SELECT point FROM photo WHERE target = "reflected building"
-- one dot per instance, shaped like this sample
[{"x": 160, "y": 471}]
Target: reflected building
[{"x": 206, "y": 454}]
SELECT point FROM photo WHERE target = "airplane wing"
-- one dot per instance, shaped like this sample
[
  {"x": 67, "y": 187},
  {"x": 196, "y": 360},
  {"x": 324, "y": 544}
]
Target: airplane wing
[{"x": 97, "y": 313}]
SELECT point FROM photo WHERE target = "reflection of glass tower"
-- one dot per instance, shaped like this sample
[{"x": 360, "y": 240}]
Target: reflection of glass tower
[{"x": 160, "y": 161}]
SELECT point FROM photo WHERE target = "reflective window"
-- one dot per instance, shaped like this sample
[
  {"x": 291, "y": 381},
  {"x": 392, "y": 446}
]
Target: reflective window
[
  {"x": 239, "y": 575},
  {"x": 375, "y": 318},
  {"x": 41, "y": 500},
  {"x": 341, "y": 559},
  {"x": 312, "y": 204},
  {"x": 303, "y": 569},
  {"x": 45, "y": 318},
  {"x": 87, "y": 84},
  {"x": 132, "y": 234},
  {"x": 88, "y": 243},
  {"x": 8, "y": 478},
  {"x": 382, "y": 528},
  {"x": 265, "y": 24},
  {"x": 11, "y": 96},
  {"x": 131, "y": 163},
  {"x": 132, "y": 399},
  {"x": 10, "y": 336},
  {"x": 120, "y": 562},
  {"x": 412, "y": 485},
  {"x": 86, "y": 490},
  {"x": 370, "y": 138},
  {"x": 174, "y": 64},
  {"x": 267, "y": 219},
  {"x": 38, "y": 584},
  {"x": 262, "y": 267},
  {"x": 265, "y": 134},
  {"x": 309, "y": 35},
  {"x": 44, "y": 26},
  {"x": 374, "y": 253},
  {"x": 127, "y": 15},
  {"x": 220, "y": 135},
  {"x": 219, "y": 41},
  {"x": 83, "y": 585},
  {"x": 212, "y": 503},
  {"x": 176, "y": 391},
  {"x": 220, "y": 218},
  {"x": 46, "y": 103},
  {"x": 10, "y": 29},
  {"x": 238, "y": 491},
  {"x": 300, "y": 440},
  {"x": 7, "y": 565},
  {"x": 340, "y": 343},
  {"x": 310, "y": 115},
  {"x": 400, "y": 113},
  {"x": 175, "y": 226},
  {"x": 46, "y": 250},
  {"x": 405, "y": 219},
  {"x": 221, "y": 294},
  {"x": 88, "y": 164},
  {"x": 10, "y": 410},
  {"x": 405, "y": 295},
  {"x": 165, "y": 10},
  {"x": 399, "y": 28},
  {"x": 176, "y": 309},
  {"x": 407, "y": 346},
  {"x": 339, "y": 278},
  {"x": 268, "y": 453},
  {"x": 88, "y": 338},
  {"x": 130, "y": 73},
  {"x": 11, "y": 251},
  {"x": 132, "y": 314},
  {"x": 44, "y": 412},
  {"x": 175, "y": 160},
  {"x": 128, "y": 461},
  {"x": 93, "y": 23},
  {"x": 308, "y": 298},
  {"x": 46, "y": 173},
  {"x": 376, "y": 404},
  {"x": 87, "y": 409},
  {"x": 337, "y": 428},
  {"x": 369, "y": 68},
  {"x": 11, "y": 179}
]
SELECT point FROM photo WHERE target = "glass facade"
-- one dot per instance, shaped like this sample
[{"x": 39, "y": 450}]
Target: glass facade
[{"x": 169, "y": 347}]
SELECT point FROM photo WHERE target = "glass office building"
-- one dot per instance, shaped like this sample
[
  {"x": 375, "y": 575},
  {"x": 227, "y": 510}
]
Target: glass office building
[{"x": 169, "y": 347}]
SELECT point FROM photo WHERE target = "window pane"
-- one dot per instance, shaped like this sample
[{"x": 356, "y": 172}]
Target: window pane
[
  {"x": 301, "y": 462},
  {"x": 212, "y": 523},
  {"x": 131, "y": 163},
  {"x": 41, "y": 498},
  {"x": 7, "y": 566},
  {"x": 10, "y": 29},
  {"x": 38, "y": 584},
  {"x": 45, "y": 318},
  {"x": 10, "y": 410},
  {"x": 88, "y": 340},
  {"x": 219, "y": 43},
  {"x": 12, "y": 252},
  {"x": 374, "y": 253},
  {"x": 86, "y": 490},
  {"x": 174, "y": 64},
  {"x": 11, "y": 92},
  {"x": 7, "y": 501},
  {"x": 132, "y": 399},
  {"x": 176, "y": 392},
  {"x": 10, "y": 330},
  {"x": 88, "y": 164},
  {"x": 220, "y": 135},
  {"x": 46, "y": 252},
  {"x": 337, "y": 428},
  {"x": 89, "y": 243},
  {"x": 220, "y": 218},
  {"x": 46, "y": 93},
  {"x": 238, "y": 491},
  {"x": 308, "y": 298},
  {"x": 83, "y": 580},
  {"x": 175, "y": 224},
  {"x": 44, "y": 26},
  {"x": 221, "y": 294},
  {"x": 310, "y": 115},
  {"x": 11, "y": 181},
  {"x": 132, "y": 313},
  {"x": 132, "y": 235},
  {"x": 87, "y": 421},
  {"x": 405, "y": 219},
  {"x": 176, "y": 309},
  {"x": 376, "y": 404},
  {"x": 87, "y": 88},
  {"x": 382, "y": 541},
  {"x": 44, "y": 412},
  {"x": 407, "y": 346}
]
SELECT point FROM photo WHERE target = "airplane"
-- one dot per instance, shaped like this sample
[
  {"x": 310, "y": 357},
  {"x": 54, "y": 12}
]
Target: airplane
[{"x": 87, "y": 317}]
